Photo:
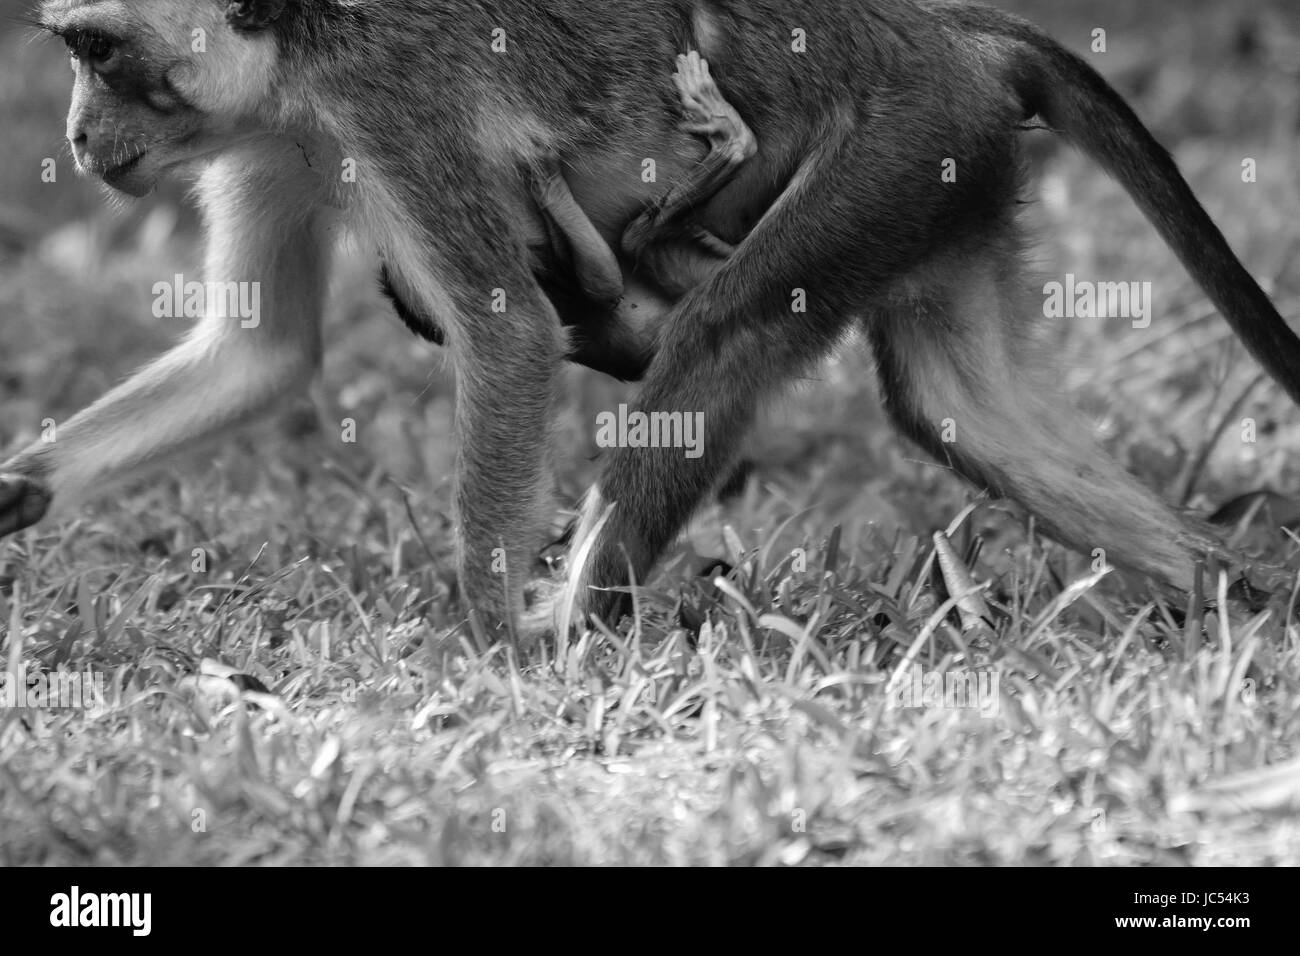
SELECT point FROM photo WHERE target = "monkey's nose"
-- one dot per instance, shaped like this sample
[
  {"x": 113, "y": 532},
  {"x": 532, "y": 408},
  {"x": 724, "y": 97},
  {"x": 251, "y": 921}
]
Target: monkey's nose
[{"x": 79, "y": 141}]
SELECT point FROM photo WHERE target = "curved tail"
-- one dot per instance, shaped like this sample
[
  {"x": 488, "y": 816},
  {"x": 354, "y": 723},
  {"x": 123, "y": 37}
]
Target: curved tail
[{"x": 1074, "y": 99}]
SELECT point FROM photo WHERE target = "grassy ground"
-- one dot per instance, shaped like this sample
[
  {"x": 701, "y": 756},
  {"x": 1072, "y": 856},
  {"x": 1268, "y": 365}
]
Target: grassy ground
[{"x": 751, "y": 723}]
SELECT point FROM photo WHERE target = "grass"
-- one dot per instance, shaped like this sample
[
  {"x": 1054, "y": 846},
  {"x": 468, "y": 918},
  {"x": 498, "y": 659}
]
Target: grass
[{"x": 290, "y": 679}]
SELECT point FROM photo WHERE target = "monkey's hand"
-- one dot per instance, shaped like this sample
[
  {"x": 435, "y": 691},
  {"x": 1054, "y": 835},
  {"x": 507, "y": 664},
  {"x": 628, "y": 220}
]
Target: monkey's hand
[{"x": 23, "y": 502}]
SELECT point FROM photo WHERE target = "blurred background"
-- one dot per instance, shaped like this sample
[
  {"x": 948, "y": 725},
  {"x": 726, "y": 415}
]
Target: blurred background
[{"x": 1216, "y": 81}]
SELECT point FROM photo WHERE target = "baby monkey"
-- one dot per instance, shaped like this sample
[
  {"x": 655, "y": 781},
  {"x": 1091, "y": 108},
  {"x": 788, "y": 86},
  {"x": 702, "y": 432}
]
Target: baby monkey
[
  {"x": 663, "y": 244},
  {"x": 613, "y": 324}
]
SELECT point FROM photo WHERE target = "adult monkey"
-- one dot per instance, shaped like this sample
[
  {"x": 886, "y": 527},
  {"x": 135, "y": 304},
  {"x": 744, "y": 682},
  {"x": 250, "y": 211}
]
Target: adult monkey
[{"x": 855, "y": 134}]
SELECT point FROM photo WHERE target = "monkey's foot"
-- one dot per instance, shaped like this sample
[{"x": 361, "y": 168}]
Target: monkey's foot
[
  {"x": 538, "y": 621},
  {"x": 23, "y": 502},
  {"x": 708, "y": 113}
]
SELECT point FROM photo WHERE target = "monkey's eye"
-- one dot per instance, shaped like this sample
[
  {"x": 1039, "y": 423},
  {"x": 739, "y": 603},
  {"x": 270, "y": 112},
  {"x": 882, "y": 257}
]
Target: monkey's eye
[{"x": 95, "y": 48}]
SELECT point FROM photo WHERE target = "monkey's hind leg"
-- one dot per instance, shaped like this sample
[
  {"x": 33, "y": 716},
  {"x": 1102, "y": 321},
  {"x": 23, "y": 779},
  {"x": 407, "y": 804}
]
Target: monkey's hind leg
[{"x": 956, "y": 369}]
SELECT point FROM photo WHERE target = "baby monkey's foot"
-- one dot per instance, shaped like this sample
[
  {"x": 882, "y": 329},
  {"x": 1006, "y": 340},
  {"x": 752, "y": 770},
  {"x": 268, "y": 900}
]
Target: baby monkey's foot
[{"x": 708, "y": 113}]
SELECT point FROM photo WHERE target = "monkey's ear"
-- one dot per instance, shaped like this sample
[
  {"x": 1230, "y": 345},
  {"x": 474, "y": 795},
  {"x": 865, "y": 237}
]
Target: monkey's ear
[{"x": 249, "y": 15}]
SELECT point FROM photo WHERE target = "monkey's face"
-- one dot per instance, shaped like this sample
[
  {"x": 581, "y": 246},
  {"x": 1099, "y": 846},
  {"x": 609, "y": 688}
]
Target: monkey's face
[{"x": 160, "y": 83}]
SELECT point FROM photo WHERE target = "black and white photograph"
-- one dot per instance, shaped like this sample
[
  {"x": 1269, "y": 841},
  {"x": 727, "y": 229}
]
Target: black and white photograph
[{"x": 650, "y": 433}]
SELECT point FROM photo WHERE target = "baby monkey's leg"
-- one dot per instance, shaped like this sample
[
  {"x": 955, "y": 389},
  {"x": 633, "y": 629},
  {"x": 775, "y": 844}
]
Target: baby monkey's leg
[
  {"x": 665, "y": 244},
  {"x": 598, "y": 272}
]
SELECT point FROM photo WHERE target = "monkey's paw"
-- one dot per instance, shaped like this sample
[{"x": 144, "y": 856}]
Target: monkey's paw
[{"x": 23, "y": 502}]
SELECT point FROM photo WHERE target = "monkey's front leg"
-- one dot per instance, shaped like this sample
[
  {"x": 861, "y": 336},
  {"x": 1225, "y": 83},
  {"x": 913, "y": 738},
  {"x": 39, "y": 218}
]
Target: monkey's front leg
[
  {"x": 221, "y": 376},
  {"x": 508, "y": 383},
  {"x": 224, "y": 373},
  {"x": 508, "y": 350}
]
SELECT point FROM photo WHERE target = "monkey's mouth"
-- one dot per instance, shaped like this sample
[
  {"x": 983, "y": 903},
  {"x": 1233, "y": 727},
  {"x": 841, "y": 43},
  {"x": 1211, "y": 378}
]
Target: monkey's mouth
[{"x": 120, "y": 176}]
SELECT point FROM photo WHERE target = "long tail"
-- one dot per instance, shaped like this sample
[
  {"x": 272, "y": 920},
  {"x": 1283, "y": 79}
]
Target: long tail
[{"x": 1074, "y": 99}]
